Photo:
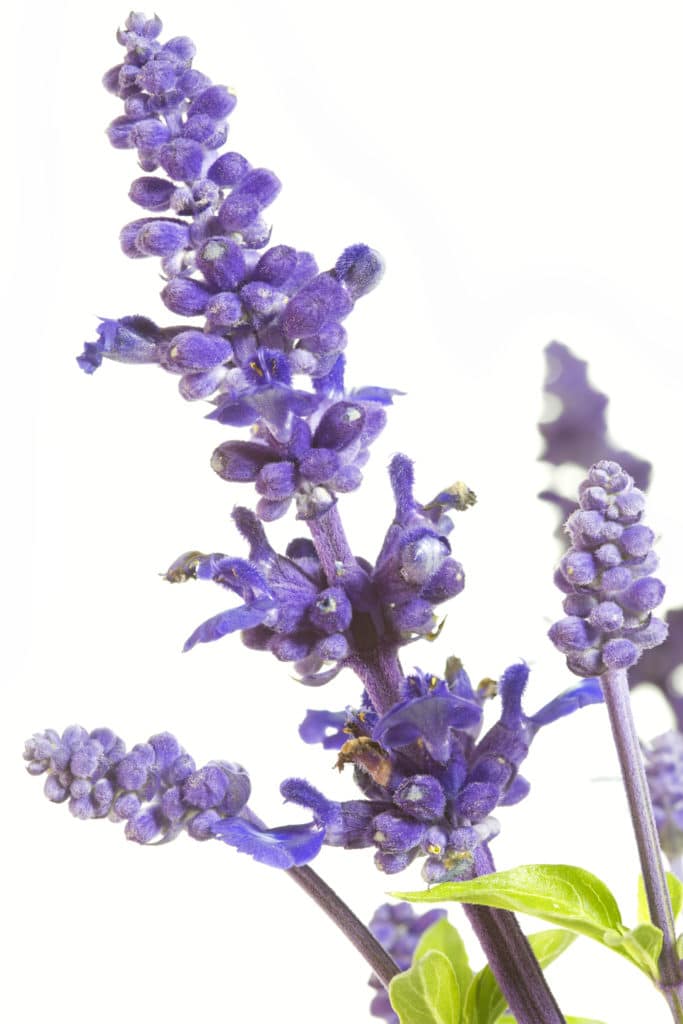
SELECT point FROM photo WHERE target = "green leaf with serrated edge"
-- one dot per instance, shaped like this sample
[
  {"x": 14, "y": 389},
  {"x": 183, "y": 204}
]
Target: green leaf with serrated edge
[
  {"x": 642, "y": 945},
  {"x": 427, "y": 993},
  {"x": 484, "y": 1001},
  {"x": 675, "y": 887},
  {"x": 447, "y": 940}
]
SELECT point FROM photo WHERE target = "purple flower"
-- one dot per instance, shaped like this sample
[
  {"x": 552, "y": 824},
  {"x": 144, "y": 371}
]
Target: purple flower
[
  {"x": 287, "y": 607},
  {"x": 430, "y": 784},
  {"x": 610, "y": 594},
  {"x": 414, "y": 571},
  {"x": 155, "y": 787}
]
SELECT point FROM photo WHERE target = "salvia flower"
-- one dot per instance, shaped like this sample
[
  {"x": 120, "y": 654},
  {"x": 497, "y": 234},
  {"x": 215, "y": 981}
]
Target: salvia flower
[
  {"x": 578, "y": 436},
  {"x": 415, "y": 570},
  {"x": 429, "y": 783},
  {"x": 664, "y": 768},
  {"x": 269, "y": 314},
  {"x": 291, "y": 607},
  {"x": 155, "y": 788},
  {"x": 399, "y": 929},
  {"x": 606, "y": 576}
]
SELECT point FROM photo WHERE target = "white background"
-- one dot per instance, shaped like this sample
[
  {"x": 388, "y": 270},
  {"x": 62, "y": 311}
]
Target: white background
[{"x": 519, "y": 165}]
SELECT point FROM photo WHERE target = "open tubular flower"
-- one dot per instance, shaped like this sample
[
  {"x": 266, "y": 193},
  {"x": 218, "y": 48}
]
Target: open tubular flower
[
  {"x": 290, "y": 608},
  {"x": 610, "y": 594},
  {"x": 429, "y": 783}
]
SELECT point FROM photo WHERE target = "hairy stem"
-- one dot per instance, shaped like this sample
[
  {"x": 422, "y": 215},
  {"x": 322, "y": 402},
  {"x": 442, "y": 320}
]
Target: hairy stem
[
  {"x": 344, "y": 918},
  {"x": 617, "y": 698},
  {"x": 332, "y": 546},
  {"x": 373, "y": 660},
  {"x": 381, "y": 674},
  {"x": 511, "y": 958}
]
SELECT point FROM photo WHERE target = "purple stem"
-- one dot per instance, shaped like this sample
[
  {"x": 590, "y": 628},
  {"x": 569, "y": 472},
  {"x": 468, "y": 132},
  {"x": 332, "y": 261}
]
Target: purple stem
[
  {"x": 616, "y": 690},
  {"x": 381, "y": 674},
  {"x": 375, "y": 662},
  {"x": 511, "y": 958},
  {"x": 344, "y": 918},
  {"x": 335, "y": 908}
]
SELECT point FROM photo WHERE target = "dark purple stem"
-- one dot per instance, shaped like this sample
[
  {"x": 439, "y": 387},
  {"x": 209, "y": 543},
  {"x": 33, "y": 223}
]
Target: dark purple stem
[
  {"x": 335, "y": 908},
  {"x": 344, "y": 918},
  {"x": 381, "y": 674},
  {"x": 511, "y": 958},
  {"x": 375, "y": 661},
  {"x": 616, "y": 690}
]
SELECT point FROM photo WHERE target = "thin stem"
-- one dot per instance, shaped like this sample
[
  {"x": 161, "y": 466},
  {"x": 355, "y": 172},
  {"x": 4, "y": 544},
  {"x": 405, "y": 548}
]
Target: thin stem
[
  {"x": 511, "y": 958},
  {"x": 344, "y": 918},
  {"x": 616, "y": 691}
]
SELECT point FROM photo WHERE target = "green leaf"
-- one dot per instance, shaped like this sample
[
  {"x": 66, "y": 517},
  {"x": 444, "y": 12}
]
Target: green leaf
[
  {"x": 675, "y": 887},
  {"x": 427, "y": 993},
  {"x": 484, "y": 1002},
  {"x": 642, "y": 945},
  {"x": 675, "y": 892},
  {"x": 558, "y": 893},
  {"x": 443, "y": 937}
]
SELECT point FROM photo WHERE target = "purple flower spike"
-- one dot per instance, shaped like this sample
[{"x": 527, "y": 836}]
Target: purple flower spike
[
  {"x": 155, "y": 787},
  {"x": 606, "y": 576}
]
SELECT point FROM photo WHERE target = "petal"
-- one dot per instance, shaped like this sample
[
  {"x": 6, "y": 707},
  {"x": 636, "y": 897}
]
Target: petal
[
  {"x": 237, "y": 574},
  {"x": 385, "y": 396},
  {"x": 324, "y": 727},
  {"x": 430, "y": 718},
  {"x": 580, "y": 695},
  {"x": 301, "y": 792},
  {"x": 235, "y": 412},
  {"x": 285, "y": 847},
  {"x": 229, "y": 621}
]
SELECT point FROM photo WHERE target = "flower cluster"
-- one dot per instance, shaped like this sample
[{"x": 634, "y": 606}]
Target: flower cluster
[
  {"x": 321, "y": 616},
  {"x": 606, "y": 577},
  {"x": 579, "y": 436},
  {"x": 430, "y": 784},
  {"x": 399, "y": 929},
  {"x": 155, "y": 788},
  {"x": 268, "y": 313}
]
